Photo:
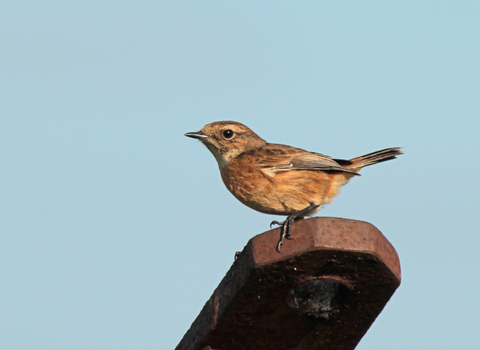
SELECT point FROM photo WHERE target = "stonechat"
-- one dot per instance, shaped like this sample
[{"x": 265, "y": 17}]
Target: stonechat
[{"x": 279, "y": 179}]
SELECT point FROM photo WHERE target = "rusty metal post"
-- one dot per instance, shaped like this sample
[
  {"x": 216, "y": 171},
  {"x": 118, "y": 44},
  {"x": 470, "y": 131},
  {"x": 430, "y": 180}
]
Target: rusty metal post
[{"x": 323, "y": 291}]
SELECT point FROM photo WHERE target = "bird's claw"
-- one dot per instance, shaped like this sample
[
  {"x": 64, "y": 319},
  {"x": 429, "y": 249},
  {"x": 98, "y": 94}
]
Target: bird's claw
[
  {"x": 285, "y": 231},
  {"x": 286, "y": 226},
  {"x": 275, "y": 222},
  {"x": 280, "y": 242}
]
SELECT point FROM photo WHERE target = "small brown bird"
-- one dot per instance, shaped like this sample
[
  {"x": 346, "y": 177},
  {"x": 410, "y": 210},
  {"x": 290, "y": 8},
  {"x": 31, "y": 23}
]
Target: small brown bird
[{"x": 279, "y": 179}]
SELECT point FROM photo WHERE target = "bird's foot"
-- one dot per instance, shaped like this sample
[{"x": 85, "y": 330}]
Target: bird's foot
[{"x": 286, "y": 226}]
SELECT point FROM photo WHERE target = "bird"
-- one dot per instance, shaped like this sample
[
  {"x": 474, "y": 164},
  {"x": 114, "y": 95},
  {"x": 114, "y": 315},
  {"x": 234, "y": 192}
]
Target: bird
[{"x": 279, "y": 179}]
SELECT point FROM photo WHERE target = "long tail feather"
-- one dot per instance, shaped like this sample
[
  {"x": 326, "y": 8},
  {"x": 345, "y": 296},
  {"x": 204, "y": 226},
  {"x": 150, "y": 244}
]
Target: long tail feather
[{"x": 374, "y": 158}]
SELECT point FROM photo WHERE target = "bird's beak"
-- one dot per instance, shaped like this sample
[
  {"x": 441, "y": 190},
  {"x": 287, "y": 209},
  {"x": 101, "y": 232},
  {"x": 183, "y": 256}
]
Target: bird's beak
[{"x": 197, "y": 135}]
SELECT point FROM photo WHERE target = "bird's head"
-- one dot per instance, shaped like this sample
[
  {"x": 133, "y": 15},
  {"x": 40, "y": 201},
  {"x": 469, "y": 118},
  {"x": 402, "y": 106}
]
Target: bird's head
[{"x": 227, "y": 139}]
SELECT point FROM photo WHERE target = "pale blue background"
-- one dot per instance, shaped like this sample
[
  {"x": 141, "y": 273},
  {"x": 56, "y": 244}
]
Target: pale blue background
[{"x": 115, "y": 228}]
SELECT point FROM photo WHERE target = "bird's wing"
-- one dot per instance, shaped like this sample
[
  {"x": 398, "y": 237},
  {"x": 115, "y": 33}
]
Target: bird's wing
[{"x": 275, "y": 158}]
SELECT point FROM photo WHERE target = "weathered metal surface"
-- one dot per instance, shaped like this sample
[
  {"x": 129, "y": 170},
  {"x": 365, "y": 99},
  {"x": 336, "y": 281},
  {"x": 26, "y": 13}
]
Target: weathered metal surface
[{"x": 265, "y": 300}]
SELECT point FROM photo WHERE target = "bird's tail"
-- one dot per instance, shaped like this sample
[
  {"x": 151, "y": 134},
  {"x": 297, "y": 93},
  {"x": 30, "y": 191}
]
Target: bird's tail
[{"x": 374, "y": 158}]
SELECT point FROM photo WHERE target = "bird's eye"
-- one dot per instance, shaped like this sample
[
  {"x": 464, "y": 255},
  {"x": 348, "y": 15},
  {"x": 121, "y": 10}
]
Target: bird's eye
[{"x": 228, "y": 134}]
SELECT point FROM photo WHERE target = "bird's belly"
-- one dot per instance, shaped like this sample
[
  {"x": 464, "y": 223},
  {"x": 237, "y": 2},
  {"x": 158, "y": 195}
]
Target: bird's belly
[{"x": 284, "y": 193}]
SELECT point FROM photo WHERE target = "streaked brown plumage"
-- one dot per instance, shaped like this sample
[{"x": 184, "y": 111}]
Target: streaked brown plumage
[{"x": 279, "y": 179}]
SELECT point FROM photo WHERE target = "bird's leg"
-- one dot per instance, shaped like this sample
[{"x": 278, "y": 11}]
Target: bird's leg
[{"x": 287, "y": 224}]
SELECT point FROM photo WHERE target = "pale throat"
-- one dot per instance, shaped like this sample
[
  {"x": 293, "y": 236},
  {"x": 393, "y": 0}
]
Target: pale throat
[{"x": 220, "y": 158}]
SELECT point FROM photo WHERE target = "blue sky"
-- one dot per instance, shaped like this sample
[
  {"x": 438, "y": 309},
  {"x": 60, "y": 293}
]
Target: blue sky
[{"x": 115, "y": 228}]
